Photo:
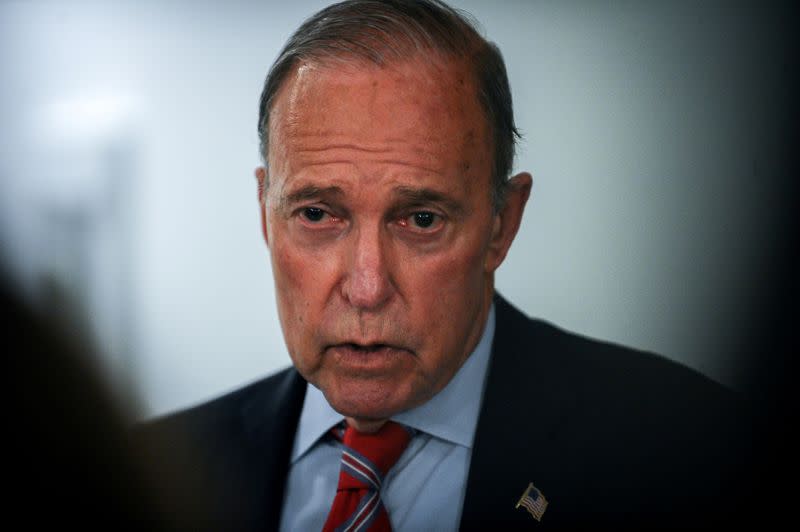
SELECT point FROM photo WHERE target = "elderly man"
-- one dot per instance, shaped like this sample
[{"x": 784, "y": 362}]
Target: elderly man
[{"x": 419, "y": 398}]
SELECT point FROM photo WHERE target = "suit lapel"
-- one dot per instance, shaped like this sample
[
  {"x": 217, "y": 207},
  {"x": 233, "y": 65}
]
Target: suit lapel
[
  {"x": 269, "y": 419},
  {"x": 518, "y": 427}
]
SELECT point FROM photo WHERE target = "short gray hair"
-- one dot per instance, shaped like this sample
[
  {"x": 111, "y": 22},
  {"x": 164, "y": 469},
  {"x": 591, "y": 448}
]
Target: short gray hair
[{"x": 380, "y": 31}]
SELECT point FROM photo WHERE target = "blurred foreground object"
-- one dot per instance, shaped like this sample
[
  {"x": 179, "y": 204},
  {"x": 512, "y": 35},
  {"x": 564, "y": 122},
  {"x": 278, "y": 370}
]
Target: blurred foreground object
[{"x": 71, "y": 454}]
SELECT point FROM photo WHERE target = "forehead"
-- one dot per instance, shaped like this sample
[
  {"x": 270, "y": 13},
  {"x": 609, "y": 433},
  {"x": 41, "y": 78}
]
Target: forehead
[{"x": 426, "y": 111}]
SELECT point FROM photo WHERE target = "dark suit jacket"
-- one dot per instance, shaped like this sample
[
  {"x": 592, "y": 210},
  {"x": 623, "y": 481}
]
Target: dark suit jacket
[{"x": 609, "y": 436}]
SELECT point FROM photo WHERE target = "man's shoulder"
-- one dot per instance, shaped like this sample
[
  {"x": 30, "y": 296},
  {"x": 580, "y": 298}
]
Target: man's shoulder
[
  {"x": 606, "y": 396},
  {"x": 605, "y": 370},
  {"x": 593, "y": 424},
  {"x": 246, "y": 412},
  {"x": 232, "y": 450}
]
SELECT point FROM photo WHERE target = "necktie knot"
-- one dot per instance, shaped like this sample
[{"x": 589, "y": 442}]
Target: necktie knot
[
  {"x": 366, "y": 459},
  {"x": 381, "y": 449}
]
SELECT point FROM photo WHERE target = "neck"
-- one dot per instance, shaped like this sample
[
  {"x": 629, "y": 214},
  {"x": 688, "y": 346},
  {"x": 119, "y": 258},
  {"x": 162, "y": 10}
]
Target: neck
[{"x": 367, "y": 426}]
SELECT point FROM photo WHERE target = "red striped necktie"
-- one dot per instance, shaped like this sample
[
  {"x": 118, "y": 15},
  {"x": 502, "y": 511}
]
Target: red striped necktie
[{"x": 366, "y": 459}]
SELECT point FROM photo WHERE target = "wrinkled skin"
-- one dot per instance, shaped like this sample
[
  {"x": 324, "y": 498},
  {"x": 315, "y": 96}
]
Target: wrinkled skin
[{"x": 380, "y": 227}]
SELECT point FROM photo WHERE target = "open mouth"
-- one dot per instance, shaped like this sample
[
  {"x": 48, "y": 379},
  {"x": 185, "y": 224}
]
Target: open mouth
[
  {"x": 367, "y": 355},
  {"x": 358, "y": 348}
]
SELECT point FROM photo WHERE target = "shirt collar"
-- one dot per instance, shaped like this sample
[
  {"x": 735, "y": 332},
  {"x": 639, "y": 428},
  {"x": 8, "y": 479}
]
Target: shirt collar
[{"x": 451, "y": 414}]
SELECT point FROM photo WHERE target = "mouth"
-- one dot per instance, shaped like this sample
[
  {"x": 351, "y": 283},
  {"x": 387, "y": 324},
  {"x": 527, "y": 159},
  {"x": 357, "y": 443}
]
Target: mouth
[
  {"x": 364, "y": 348},
  {"x": 372, "y": 356}
]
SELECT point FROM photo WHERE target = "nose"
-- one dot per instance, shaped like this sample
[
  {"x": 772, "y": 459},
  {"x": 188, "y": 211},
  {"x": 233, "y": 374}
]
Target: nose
[{"x": 368, "y": 283}]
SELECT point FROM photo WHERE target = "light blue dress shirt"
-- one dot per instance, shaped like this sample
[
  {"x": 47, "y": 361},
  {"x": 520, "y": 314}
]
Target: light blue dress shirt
[{"x": 425, "y": 489}]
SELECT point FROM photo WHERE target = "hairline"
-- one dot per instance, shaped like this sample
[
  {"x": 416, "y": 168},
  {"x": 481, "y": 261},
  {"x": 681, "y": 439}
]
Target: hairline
[{"x": 471, "y": 49}]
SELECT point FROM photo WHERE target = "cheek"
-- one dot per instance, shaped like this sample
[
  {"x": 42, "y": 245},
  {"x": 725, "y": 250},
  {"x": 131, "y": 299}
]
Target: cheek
[
  {"x": 294, "y": 294},
  {"x": 446, "y": 291},
  {"x": 291, "y": 277},
  {"x": 290, "y": 267},
  {"x": 305, "y": 278},
  {"x": 301, "y": 269},
  {"x": 457, "y": 270}
]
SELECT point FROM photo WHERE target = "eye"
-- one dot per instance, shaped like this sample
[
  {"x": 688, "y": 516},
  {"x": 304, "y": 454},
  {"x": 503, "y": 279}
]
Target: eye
[
  {"x": 423, "y": 219},
  {"x": 313, "y": 214}
]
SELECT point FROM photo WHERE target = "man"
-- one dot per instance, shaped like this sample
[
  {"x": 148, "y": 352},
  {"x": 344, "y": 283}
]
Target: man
[{"x": 388, "y": 137}]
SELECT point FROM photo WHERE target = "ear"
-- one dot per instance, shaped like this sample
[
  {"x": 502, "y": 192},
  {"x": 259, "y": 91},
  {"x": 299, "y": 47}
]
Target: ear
[
  {"x": 506, "y": 222},
  {"x": 261, "y": 178}
]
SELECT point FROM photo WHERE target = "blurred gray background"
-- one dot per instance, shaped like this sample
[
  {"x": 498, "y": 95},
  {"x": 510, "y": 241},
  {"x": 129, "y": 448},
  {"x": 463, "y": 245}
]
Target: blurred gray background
[{"x": 128, "y": 205}]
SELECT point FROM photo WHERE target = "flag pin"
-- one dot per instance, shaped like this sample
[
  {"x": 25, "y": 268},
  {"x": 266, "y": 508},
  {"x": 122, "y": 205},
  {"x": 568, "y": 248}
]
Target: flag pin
[{"x": 534, "y": 501}]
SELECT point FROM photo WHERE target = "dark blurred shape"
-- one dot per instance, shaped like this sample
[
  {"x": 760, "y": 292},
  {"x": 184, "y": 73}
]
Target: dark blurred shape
[{"x": 72, "y": 460}]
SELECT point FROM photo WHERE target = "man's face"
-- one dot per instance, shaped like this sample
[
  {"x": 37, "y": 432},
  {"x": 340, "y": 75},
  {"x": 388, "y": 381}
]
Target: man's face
[{"x": 381, "y": 231}]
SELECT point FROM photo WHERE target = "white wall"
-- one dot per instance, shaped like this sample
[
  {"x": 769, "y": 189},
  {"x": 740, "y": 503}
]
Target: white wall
[{"x": 650, "y": 132}]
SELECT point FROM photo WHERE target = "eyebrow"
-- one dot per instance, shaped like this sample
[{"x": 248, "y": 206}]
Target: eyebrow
[
  {"x": 310, "y": 192},
  {"x": 404, "y": 197},
  {"x": 421, "y": 196}
]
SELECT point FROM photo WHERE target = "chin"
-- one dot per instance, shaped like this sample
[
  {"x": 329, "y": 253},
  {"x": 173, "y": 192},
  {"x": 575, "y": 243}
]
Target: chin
[{"x": 368, "y": 400}]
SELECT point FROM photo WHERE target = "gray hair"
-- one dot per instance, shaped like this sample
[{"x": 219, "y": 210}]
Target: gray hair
[{"x": 380, "y": 31}]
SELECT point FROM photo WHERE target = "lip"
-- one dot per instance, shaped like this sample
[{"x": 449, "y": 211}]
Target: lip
[{"x": 365, "y": 357}]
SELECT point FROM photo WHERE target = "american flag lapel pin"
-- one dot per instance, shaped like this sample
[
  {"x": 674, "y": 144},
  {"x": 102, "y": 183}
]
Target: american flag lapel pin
[{"x": 534, "y": 501}]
